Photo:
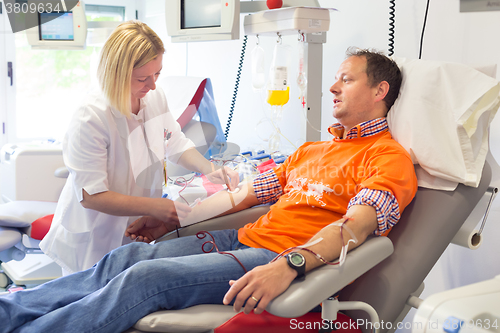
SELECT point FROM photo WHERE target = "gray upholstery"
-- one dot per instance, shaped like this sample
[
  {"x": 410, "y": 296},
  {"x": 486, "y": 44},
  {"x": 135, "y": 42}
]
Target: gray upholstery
[
  {"x": 419, "y": 239},
  {"x": 8, "y": 238}
]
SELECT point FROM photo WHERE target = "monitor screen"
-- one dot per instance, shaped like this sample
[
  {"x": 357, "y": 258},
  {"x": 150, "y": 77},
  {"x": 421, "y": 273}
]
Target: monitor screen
[
  {"x": 54, "y": 26},
  {"x": 200, "y": 14}
]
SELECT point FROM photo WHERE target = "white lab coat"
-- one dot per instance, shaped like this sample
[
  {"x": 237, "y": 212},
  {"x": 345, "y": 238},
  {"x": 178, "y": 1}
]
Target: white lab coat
[{"x": 104, "y": 150}]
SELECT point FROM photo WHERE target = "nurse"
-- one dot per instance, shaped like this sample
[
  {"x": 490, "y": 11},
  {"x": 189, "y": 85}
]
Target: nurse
[{"x": 114, "y": 150}]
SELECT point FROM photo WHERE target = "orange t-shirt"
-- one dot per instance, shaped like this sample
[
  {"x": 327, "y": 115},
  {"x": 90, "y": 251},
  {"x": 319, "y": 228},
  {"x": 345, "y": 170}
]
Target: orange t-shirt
[{"x": 320, "y": 179}]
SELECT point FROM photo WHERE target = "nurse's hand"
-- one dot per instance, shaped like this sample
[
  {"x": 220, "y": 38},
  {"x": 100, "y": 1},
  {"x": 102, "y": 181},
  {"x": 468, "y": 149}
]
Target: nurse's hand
[
  {"x": 217, "y": 177},
  {"x": 168, "y": 210},
  {"x": 147, "y": 229}
]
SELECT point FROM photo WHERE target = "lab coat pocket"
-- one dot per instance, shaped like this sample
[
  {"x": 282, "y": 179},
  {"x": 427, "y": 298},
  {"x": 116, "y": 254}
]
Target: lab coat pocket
[
  {"x": 76, "y": 221},
  {"x": 70, "y": 215},
  {"x": 77, "y": 238},
  {"x": 72, "y": 249}
]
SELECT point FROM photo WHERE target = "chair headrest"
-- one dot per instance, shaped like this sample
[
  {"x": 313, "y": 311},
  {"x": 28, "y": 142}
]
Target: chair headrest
[{"x": 441, "y": 118}]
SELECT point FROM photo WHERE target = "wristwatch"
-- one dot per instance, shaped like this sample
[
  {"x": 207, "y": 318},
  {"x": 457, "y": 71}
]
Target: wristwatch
[{"x": 297, "y": 262}]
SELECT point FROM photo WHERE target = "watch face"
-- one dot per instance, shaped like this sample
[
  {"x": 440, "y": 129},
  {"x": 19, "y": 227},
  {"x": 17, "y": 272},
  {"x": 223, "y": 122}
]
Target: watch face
[{"x": 296, "y": 259}]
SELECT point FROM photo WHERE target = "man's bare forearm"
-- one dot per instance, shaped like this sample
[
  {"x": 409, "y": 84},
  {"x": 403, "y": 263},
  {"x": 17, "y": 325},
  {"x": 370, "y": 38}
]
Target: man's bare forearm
[
  {"x": 223, "y": 203},
  {"x": 328, "y": 241}
]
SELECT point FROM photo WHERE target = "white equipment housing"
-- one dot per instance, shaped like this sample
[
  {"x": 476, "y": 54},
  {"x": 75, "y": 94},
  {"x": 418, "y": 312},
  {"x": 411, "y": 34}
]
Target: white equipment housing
[
  {"x": 288, "y": 21},
  {"x": 34, "y": 269},
  {"x": 470, "y": 309},
  {"x": 27, "y": 172},
  {"x": 202, "y": 20}
]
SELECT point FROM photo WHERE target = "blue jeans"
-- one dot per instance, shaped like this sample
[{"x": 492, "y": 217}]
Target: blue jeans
[{"x": 129, "y": 283}]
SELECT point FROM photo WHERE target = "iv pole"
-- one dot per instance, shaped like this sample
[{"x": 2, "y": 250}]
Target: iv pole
[{"x": 314, "y": 60}]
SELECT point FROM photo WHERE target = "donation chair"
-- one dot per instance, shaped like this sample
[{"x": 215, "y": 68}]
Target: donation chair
[
  {"x": 441, "y": 118},
  {"x": 386, "y": 270}
]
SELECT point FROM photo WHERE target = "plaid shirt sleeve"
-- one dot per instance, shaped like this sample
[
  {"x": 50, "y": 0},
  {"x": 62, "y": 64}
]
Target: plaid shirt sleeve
[
  {"x": 267, "y": 187},
  {"x": 384, "y": 202}
]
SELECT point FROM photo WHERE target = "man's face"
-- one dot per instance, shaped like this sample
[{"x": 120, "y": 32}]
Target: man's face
[{"x": 353, "y": 97}]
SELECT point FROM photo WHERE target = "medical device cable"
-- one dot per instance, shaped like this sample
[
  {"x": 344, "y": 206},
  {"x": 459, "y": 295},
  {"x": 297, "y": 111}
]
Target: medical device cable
[
  {"x": 307, "y": 119},
  {"x": 223, "y": 161},
  {"x": 203, "y": 234},
  {"x": 185, "y": 184},
  {"x": 423, "y": 30},
  {"x": 392, "y": 21},
  {"x": 236, "y": 86},
  {"x": 243, "y": 161}
]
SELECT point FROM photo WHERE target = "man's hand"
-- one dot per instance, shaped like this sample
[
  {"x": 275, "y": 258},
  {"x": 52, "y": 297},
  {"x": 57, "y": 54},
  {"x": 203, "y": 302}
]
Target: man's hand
[
  {"x": 263, "y": 283},
  {"x": 231, "y": 178},
  {"x": 147, "y": 229}
]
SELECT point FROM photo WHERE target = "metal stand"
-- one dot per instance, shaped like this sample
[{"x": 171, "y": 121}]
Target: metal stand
[{"x": 314, "y": 60}]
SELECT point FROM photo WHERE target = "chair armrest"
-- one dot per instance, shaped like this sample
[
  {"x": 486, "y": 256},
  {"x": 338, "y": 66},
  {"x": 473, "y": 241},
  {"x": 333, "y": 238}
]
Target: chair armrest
[
  {"x": 322, "y": 282},
  {"x": 231, "y": 221},
  {"x": 9, "y": 237},
  {"x": 61, "y": 172}
]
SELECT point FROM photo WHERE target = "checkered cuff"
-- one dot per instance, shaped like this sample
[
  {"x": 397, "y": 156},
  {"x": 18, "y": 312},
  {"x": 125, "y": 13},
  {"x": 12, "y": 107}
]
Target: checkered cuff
[{"x": 267, "y": 187}]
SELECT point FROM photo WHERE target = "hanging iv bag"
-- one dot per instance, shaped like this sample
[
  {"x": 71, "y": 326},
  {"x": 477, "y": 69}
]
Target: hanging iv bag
[
  {"x": 278, "y": 91},
  {"x": 258, "y": 71}
]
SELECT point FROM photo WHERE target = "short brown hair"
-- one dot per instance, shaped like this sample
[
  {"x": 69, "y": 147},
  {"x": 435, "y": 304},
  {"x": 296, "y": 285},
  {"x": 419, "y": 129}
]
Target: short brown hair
[{"x": 380, "y": 68}]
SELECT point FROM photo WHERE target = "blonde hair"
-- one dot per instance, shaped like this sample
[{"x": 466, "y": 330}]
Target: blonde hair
[{"x": 131, "y": 45}]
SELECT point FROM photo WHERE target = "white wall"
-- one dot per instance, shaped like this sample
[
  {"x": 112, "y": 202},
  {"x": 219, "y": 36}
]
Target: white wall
[{"x": 468, "y": 38}]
